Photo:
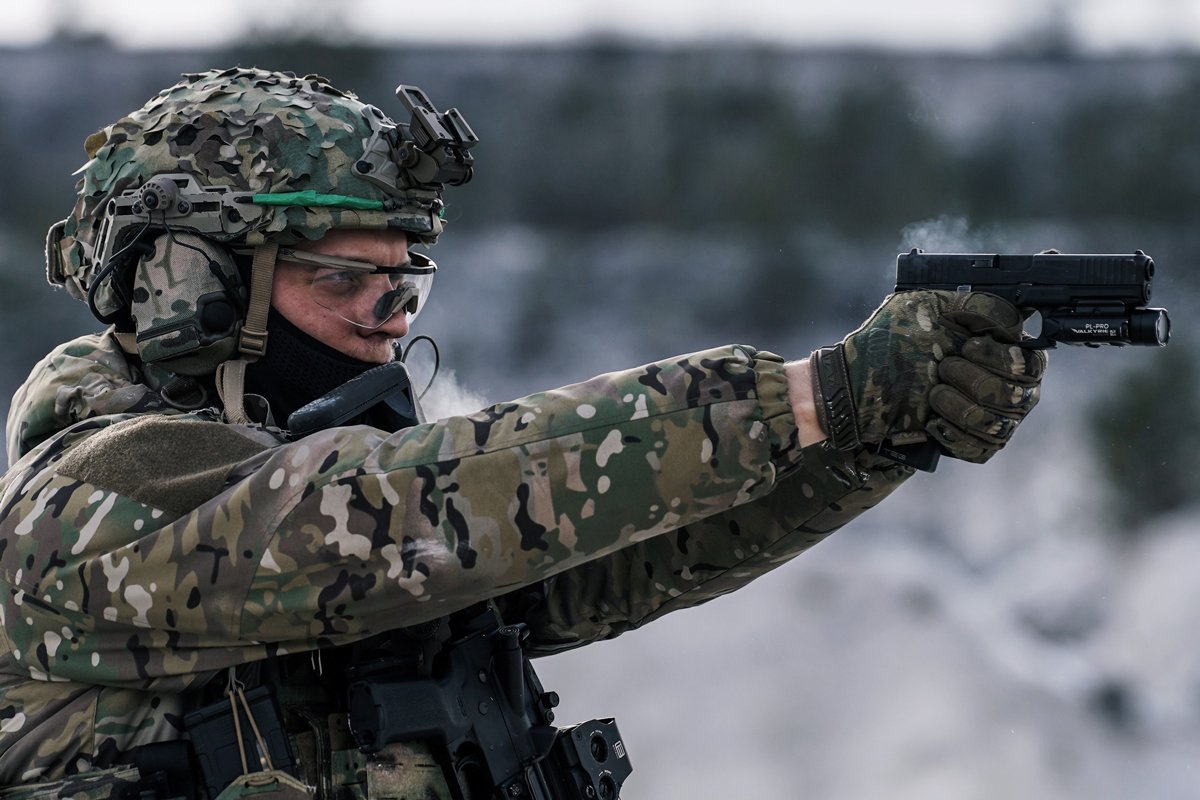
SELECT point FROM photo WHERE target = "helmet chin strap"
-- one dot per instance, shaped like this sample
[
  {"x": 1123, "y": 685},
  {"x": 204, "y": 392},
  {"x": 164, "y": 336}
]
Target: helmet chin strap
[{"x": 231, "y": 375}]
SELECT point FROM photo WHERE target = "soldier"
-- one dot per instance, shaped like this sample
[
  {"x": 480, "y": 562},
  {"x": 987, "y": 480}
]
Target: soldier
[{"x": 182, "y": 522}]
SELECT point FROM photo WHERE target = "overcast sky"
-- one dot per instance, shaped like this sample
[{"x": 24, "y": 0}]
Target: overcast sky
[{"x": 1101, "y": 25}]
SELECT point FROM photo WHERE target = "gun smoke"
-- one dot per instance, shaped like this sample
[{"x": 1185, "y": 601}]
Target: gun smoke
[{"x": 952, "y": 234}]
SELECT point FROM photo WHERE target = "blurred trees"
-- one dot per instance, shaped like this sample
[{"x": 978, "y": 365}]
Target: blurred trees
[{"x": 611, "y": 134}]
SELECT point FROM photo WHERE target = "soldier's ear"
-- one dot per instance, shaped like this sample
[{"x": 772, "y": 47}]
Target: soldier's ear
[{"x": 188, "y": 304}]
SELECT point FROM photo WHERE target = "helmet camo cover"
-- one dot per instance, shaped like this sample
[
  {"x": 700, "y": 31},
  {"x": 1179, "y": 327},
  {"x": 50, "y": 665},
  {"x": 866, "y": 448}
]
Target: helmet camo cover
[{"x": 282, "y": 157}]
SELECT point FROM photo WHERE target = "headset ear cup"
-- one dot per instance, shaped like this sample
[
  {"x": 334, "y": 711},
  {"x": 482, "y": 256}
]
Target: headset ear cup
[{"x": 188, "y": 304}]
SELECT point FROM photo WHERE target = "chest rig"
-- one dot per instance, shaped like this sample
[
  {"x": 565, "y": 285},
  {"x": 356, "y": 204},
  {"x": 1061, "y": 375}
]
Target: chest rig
[
  {"x": 451, "y": 710},
  {"x": 447, "y": 710}
]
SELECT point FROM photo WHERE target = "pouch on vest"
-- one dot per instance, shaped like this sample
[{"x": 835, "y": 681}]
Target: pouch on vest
[
  {"x": 271, "y": 784},
  {"x": 230, "y": 746}
]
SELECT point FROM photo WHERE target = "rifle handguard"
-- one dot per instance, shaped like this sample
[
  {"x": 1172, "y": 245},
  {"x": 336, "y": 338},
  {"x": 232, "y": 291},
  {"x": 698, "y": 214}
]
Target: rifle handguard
[{"x": 831, "y": 395}]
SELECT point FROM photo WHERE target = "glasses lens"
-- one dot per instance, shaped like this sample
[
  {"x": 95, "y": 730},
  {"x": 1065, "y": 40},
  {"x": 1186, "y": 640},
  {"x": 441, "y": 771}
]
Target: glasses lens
[
  {"x": 369, "y": 298},
  {"x": 411, "y": 293},
  {"x": 353, "y": 295}
]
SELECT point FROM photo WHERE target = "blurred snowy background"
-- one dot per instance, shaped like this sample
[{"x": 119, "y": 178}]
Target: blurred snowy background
[{"x": 658, "y": 178}]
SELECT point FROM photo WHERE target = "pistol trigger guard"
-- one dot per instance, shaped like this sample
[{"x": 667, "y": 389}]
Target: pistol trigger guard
[{"x": 919, "y": 455}]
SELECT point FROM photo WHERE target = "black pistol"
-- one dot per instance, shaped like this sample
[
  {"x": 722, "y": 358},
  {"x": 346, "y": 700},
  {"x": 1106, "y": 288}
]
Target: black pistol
[{"x": 1082, "y": 299}]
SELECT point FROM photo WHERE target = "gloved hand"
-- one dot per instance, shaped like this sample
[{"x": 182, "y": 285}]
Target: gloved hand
[{"x": 930, "y": 364}]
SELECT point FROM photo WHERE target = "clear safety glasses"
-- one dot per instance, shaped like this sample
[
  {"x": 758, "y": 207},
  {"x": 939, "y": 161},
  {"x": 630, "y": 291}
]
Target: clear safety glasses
[{"x": 362, "y": 293}]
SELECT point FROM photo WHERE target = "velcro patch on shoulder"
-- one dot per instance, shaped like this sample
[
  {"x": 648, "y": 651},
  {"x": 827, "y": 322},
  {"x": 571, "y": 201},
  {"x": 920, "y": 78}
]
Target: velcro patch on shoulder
[{"x": 165, "y": 461}]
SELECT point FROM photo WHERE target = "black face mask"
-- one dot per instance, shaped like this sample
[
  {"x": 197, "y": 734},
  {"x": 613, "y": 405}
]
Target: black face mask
[
  {"x": 328, "y": 388},
  {"x": 297, "y": 368}
]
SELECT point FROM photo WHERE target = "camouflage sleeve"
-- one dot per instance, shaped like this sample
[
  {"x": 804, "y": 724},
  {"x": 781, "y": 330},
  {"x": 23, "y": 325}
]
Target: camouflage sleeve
[
  {"x": 88, "y": 376},
  {"x": 704, "y": 559},
  {"x": 350, "y": 532}
]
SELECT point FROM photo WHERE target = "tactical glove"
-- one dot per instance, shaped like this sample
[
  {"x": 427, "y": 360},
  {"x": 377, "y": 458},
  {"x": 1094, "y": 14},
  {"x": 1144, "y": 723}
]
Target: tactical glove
[{"x": 929, "y": 364}]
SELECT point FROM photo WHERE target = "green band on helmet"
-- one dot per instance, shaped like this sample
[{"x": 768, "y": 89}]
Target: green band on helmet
[{"x": 310, "y": 198}]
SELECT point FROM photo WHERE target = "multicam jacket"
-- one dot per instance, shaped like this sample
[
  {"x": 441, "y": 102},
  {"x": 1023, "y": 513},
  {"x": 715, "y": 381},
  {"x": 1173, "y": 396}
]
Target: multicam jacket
[{"x": 144, "y": 549}]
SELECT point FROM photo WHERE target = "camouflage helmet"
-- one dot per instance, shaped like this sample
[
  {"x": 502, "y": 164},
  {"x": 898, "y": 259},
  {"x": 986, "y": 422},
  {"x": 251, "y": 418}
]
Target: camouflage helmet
[{"x": 253, "y": 156}]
